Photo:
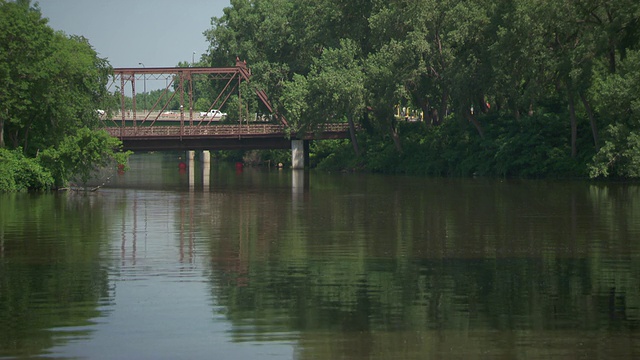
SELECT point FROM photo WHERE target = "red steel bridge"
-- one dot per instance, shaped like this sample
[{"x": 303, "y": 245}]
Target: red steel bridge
[{"x": 159, "y": 127}]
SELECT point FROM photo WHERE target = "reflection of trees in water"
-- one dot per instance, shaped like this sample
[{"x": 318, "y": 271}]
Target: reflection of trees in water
[
  {"x": 50, "y": 276},
  {"x": 432, "y": 257}
]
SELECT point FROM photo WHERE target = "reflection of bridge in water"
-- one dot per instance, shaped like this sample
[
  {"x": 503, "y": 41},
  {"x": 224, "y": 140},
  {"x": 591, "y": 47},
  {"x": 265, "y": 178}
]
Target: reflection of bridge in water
[{"x": 160, "y": 128}]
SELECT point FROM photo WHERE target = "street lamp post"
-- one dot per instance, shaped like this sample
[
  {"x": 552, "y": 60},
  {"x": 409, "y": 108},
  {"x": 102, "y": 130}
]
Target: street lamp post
[
  {"x": 193, "y": 58},
  {"x": 144, "y": 81}
]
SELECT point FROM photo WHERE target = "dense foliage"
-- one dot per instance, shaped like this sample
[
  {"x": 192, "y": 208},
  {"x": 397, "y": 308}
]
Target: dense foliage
[
  {"x": 19, "y": 173},
  {"x": 514, "y": 88},
  {"x": 52, "y": 85}
]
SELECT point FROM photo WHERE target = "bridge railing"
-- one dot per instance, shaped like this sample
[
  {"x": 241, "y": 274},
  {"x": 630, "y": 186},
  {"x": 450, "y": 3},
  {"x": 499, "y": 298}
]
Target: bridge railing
[
  {"x": 187, "y": 130},
  {"x": 213, "y": 130}
]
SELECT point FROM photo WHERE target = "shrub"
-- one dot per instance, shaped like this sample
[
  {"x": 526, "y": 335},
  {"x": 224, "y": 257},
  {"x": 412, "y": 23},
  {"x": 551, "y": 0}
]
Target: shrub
[{"x": 19, "y": 173}]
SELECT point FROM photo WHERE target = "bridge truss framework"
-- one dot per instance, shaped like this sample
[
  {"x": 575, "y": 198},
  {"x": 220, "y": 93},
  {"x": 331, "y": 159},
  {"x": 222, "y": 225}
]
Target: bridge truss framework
[
  {"x": 181, "y": 79},
  {"x": 154, "y": 130}
]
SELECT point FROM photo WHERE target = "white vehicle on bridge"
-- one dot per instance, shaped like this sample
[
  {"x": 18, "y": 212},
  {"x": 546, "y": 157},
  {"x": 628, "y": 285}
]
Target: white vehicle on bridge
[{"x": 212, "y": 115}]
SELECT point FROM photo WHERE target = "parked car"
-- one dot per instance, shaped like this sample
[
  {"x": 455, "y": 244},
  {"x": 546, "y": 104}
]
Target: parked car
[{"x": 213, "y": 114}]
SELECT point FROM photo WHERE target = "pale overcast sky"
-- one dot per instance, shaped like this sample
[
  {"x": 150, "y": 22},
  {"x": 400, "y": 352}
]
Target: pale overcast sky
[{"x": 156, "y": 33}]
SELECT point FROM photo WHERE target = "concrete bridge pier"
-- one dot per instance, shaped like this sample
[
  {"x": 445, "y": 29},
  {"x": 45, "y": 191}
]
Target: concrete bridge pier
[
  {"x": 206, "y": 157},
  {"x": 206, "y": 170},
  {"x": 299, "y": 154},
  {"x": 191, "y": 168}
]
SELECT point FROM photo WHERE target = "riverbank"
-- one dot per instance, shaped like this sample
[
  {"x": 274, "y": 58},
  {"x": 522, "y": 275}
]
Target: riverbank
[{"x": 531, "y": 148}]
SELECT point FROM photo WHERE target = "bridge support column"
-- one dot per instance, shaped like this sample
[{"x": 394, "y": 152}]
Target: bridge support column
[
  {"x": 206, "y": 170},
  {"x": 299, "y": 154},
  {"x": 191, "y": 155},
  {"x": 191, "y": 168},
  {"x": 206, "y": 157}
]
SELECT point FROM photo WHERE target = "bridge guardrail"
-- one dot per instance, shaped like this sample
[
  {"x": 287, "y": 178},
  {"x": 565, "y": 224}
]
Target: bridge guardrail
[
  {"x": 218, "y": 130},
  {"x": 189, "y": 130}
]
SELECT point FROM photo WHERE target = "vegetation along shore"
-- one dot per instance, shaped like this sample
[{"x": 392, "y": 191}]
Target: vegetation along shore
[{"x": 454, "y": 88}]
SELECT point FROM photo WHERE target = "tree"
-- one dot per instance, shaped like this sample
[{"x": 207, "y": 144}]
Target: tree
[
  {"x": 616, "y": 97},
  {"x": 280, "y": 38},
  {"x": 443, "y": 46},
  {"x": 384, "y": 85},
  {"x": 616, "y": 27},
  {"x": 331, "y": 92},
  {"x": 24, "y": 47},
  {"x": 82, "y": 155},
  {"x": 52, "y": 83},
  {"x": 18, "y": 173}
]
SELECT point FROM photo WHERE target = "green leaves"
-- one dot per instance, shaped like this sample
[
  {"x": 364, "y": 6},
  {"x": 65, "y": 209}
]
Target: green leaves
[
  {"x": 616, "y": 98},
  {"x": 332, "y": 91},
  {"x": 52, "y": 83},
  {"x": 527, "y": 59},
  {"x": 83, "y": 154},
  {"x": 24, "y": 37},
  {"x": 19, "y": 173}
]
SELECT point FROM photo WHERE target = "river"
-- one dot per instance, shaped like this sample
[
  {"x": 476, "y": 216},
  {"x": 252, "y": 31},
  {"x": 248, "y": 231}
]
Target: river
[{"x": 259, "y": 263}]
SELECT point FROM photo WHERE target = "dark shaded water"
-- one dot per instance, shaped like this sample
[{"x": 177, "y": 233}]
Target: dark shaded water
[{"x": 282, "y": 265}]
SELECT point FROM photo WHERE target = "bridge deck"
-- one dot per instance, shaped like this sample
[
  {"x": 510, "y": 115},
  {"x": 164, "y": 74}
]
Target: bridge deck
[{"x": 219, "y": 136}]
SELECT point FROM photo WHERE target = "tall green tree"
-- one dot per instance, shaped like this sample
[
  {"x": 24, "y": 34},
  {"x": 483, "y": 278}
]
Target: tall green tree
[
  {"x": 24, "y": 48},
  {"x": 616, "y": 98},
  {"x": 52, "y": 83},
  {"x": 280, "y": 38},
  {"x": 333, "y": 91},
  {"x": 384, "y": 87}
]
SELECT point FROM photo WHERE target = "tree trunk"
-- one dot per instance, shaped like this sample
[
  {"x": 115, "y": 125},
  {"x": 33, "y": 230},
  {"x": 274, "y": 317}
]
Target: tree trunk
[
  {"x": 354, "y": 139},
  {"x": 426, "y": 116},
  {"x": 592, "y": 120},
  {"x": 574, "y": 125},
  {"x": 475, "y": 123},
  {"x": 443, "y": 107},
  {"x": 612, "y": 56},
  {"x": 511, "y": 104},
  {"x": 1, "y": 133},
  {"x": 27, "y": 129},
  {"x": 394, "y": 136}
]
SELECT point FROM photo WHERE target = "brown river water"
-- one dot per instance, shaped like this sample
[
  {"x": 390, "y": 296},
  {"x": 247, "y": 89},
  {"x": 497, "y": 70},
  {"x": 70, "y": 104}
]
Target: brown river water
[{"x": 259, "y": 263}]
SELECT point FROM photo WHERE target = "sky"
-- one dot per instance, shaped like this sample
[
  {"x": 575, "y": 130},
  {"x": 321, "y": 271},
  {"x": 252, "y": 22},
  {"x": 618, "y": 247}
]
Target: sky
[{"x": 156, "y": 33}]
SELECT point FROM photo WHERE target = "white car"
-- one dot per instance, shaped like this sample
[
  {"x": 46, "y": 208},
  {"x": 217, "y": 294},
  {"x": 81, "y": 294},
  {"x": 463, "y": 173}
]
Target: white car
[{"x": 213, "y": 114}]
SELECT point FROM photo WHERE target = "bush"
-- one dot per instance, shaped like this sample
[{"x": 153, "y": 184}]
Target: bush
[
  {"x": 333, "y": 155},
  {"x": 19, "y": 173},
  {"x": 82, "y": 155},
  {"x": 534, "y": 146}
]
